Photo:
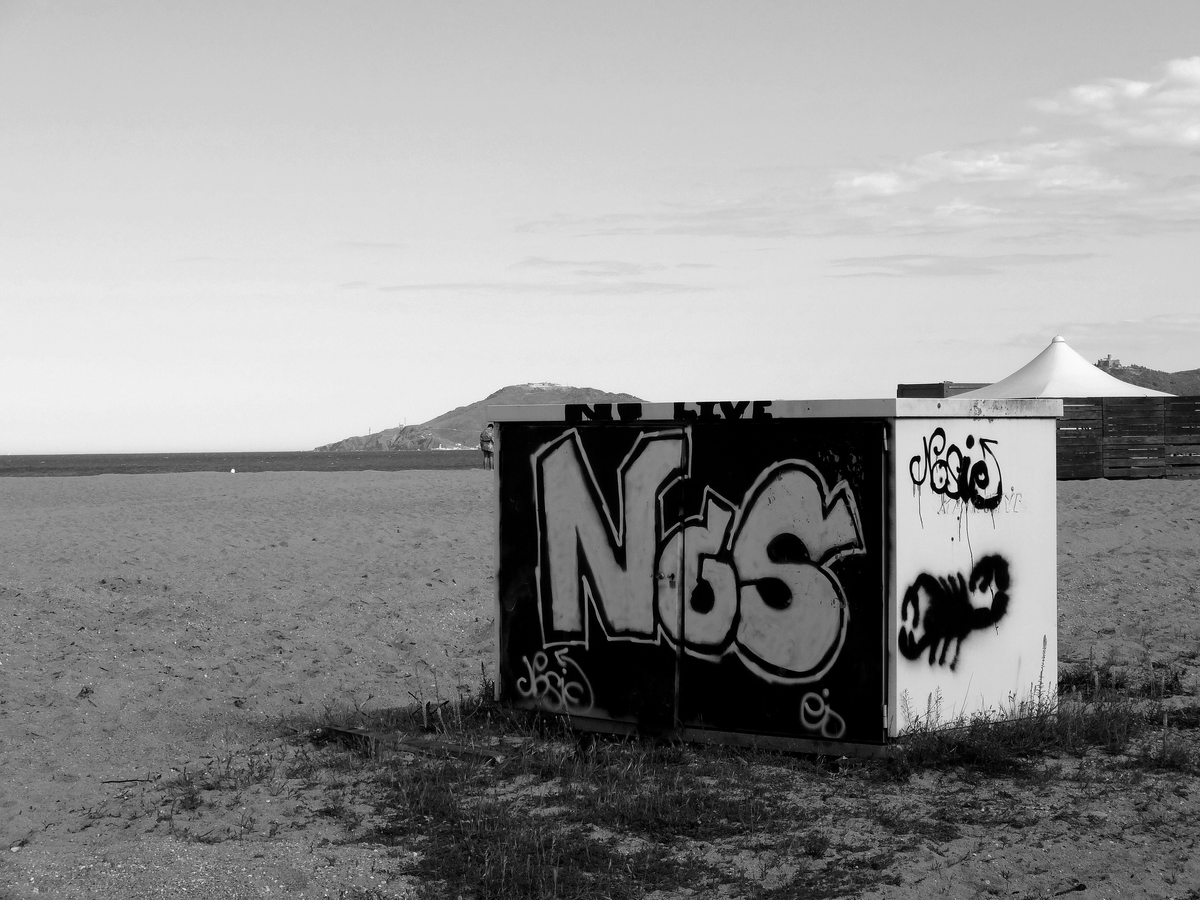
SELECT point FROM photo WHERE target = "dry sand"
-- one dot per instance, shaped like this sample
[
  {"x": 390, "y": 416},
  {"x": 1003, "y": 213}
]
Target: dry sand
[{"x": 156, "y": 624}]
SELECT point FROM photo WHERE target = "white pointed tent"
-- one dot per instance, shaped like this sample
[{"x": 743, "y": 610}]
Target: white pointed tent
[{"x": 1058, "y": 371}]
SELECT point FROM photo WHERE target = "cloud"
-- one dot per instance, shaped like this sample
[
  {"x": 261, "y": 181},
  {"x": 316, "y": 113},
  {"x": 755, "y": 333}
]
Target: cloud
[
  {"x": 757, "y": 217},
  {"x": 1111, "y": 156},
  {"x": 541, "y": 275},
  {"x": 1151, "y": 332},
  {"x": 596, "y": 268},
  {"x": 1163, "y": 113},
  {"x": 565, "y": 288},
  {"x": 579, "y": 277},
  {"x": 1104, "y": 166},
  {"x": 877, "y": 184},
  {"x": 935, "y": 265},
  {"x": 1047, "y": 166}
]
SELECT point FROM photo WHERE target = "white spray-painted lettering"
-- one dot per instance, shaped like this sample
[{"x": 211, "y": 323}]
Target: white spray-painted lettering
[
  {"x": 755, "y": 578},
  {"x": 817, "y": 716},
  {"x": 567, "y": 690},
  {"x": 576, "y": 528}
]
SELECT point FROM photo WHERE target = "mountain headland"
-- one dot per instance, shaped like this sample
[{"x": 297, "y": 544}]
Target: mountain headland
[
  {"x": 1182, "y": 384},
  {"x": 459, "y": 428}
]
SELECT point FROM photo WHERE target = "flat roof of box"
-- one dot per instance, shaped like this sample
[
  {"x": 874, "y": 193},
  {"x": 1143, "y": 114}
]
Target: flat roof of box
[{"x": 758, "y": 410}]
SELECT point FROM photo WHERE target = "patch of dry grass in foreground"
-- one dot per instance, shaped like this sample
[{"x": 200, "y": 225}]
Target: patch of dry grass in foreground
[{"x": 562, "y": 815}]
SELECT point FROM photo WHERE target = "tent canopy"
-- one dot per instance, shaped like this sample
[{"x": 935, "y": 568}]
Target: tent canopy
[{"x": 1058, "y": 371}]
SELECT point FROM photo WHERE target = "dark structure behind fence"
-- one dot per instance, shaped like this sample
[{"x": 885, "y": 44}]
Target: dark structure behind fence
[
  {"x": 1113, "y": 437},
  {"x": 938, "y": 389}
]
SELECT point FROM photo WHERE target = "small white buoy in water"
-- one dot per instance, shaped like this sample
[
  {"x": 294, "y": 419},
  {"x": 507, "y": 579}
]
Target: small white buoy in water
[{"x": 233, "y": 471}]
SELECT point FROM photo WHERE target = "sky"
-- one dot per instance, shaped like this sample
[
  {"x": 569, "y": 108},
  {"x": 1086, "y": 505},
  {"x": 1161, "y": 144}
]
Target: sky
[{"x": 271, "y": 225}]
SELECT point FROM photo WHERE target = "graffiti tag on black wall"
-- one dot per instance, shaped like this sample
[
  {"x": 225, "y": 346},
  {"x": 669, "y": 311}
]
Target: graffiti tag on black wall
[
  {"x": 951, "y": 472},
  {"x": 562, "y": 689},
  {"x": 942, "y": 611},
  {"x": 755, "y": 576},
  {"x": 715, "y": 411},
  {"x": 603, "y": 412},
  {"x": 818, "y": 717}
]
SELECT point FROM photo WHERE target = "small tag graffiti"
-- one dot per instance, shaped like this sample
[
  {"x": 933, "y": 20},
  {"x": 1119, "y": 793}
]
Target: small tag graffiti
[
  {"x": 817, "y": 716},
  {"x": 715, "y": 411},
  {"x": 952, "y": 473},
  {"x": 566, "y": 690},
  {"x": 942, "y": 611},
  {"x": 603, "y": 412},
  {"x": 725, "y": 411}
]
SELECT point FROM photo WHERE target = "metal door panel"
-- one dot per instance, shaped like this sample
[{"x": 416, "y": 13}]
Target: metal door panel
[
  {"x": 581, "y": 509},
  {"x": 803, "y": 567},
  {"x": 726, "y": 576}
]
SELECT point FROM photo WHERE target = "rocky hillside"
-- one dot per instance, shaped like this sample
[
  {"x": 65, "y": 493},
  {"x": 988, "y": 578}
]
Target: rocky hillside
[
  {"x": 408, "y": 437},
  {"x": 1184, "y": 384},
  {"x": 460, "y": 427}
]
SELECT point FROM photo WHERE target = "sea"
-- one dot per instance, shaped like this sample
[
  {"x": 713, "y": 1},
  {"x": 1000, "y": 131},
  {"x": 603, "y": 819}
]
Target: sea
[{"x": 284, "y": 461}]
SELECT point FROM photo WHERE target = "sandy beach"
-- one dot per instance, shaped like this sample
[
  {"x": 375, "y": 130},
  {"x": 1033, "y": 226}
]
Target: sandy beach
[{"x": 152, "y": 624}]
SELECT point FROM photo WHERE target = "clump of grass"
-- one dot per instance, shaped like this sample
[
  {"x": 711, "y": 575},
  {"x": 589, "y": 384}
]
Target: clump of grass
[
  {"x": 652, "y": 791},
  {"x": 815, "y": 843},
  {"x": 1109, "y": 720},
  {"x": 217, "y": 787},
  {"x": 1184, "y": 717},
  {"x": 1169, "y": 749},
  {"x": 1150, "y": 679},
  {"x": 493, "y": 853},
  {"x": 228, "y": 772},
  {"x": 183, "y": 793},
  {"x": 1167, "y": 752},
  {"x": 1006, "y": 741}
]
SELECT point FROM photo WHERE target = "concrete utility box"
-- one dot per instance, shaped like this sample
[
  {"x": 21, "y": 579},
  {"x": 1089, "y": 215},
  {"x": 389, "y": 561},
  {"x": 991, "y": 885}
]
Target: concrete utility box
[{"x": 792, "y": 573}]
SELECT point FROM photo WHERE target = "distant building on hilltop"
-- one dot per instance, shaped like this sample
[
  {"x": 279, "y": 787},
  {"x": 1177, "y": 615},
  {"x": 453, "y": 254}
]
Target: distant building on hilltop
[{"x": 1108, "y": 363}]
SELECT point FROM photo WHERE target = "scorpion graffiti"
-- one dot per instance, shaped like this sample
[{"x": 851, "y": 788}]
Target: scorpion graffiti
[{"x": 943, "y": 611}]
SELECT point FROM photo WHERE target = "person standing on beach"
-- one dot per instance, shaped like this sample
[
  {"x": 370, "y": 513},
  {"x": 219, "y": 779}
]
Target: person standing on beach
[{"x": 487, "y": 443}]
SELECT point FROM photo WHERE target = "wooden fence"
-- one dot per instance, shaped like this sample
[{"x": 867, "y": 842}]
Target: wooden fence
[{"x": 1129, "y": 437}]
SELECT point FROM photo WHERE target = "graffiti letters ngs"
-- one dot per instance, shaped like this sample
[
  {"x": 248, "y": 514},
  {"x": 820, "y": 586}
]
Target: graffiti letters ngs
[
  {"x": 755, "y": 577},
  {"x": 951, "y": 472}
]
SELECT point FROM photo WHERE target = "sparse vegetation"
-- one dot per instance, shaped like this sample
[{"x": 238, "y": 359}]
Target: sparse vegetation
[
  {"x": 564, "y": 817},
  {"x": 499, "y": 803}
]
